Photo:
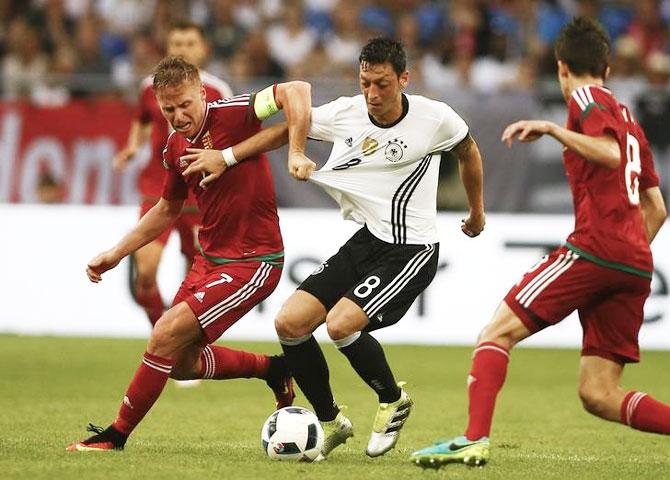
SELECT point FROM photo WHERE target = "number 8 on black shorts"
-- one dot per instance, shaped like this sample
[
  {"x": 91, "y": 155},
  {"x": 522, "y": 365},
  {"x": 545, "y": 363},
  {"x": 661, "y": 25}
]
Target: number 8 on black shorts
[{"x": 382, "y": 278}]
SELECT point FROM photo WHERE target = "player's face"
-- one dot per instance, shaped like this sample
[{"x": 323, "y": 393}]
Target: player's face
[
  {"x": 183, "y": 107},
  {"x": 382, "y": 89},
  {"x": 189, "y": 44}
]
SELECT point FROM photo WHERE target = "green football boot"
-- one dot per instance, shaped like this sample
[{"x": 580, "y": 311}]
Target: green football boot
[{"x": 474, "y": 453}]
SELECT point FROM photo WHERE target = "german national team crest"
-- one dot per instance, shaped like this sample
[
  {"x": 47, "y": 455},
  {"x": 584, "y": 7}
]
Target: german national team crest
[
  {"x": 394, "y": 150},
  {"x": 370, "y": 146},
  {"x": 207, "y": 140}
]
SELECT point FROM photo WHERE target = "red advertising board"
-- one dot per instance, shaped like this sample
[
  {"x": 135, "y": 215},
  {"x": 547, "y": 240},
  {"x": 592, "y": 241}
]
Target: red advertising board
[{"x": 74, "y": 145}]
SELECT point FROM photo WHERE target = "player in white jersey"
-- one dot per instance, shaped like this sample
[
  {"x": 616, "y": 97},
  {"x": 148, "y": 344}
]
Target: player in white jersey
[{"x": 383, "y": 172}]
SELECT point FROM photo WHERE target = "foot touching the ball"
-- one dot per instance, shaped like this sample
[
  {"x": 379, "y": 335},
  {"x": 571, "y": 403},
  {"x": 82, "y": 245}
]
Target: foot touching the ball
[
  {"x": 336, "y": 432},
  {"x": 280, "y": 381}
]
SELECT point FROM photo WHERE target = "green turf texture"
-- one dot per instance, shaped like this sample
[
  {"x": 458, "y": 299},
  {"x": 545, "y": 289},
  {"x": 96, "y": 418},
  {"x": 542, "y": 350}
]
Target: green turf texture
[{"x": 50, "y": 388}]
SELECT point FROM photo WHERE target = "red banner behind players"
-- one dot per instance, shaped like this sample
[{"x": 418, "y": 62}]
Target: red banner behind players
[{"x": 68, "y": 150}]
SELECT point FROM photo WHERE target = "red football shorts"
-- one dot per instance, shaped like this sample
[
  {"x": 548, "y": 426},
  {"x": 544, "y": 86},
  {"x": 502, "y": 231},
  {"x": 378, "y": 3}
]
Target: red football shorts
[
  {"x": 609, "y": 302},
  {"x": 187, "y": 225},
  {"x": 219, "y": 295}
]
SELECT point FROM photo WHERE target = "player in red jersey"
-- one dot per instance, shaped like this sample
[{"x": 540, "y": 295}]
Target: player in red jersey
[
  {"x": 604, "y": 269},
  {"x": 242, "y": 250},
  {"x": 188, "y": 40}
]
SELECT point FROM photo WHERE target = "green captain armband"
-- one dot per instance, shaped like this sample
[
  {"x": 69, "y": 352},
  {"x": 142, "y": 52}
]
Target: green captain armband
[{"x": 264, "y": 103}]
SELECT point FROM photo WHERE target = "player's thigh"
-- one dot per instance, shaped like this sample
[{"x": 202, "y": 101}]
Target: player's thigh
[
  {"x": 505, "y": 328},
  {"x": 553, "y": 288},
  {"x": 176, "y": 329},
  {"x": 612, "y": 322},
  {"x": 220, "y": 295},
  {"x": 300, "y": 315},
  {"x": 330, "y": 280},
  {"x": 387, "y": 291}
]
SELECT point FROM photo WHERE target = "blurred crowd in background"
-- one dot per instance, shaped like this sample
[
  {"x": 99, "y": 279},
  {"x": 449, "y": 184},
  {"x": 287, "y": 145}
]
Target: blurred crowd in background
[{"x": 52, "y": 51}]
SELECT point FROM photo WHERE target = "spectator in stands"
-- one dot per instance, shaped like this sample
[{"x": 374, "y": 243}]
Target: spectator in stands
[
  {"x": 626, "y": 76},
  {"x": 253, "y": 59},
  {"x": 225, "y": 33},
  {"x": 344, "y": 43},
  {"x": 290, "y": 42},
  {"x": 648, "y": 28},
  {"x": 93, "y": 71},
  {"x": 26, "y": 64}
]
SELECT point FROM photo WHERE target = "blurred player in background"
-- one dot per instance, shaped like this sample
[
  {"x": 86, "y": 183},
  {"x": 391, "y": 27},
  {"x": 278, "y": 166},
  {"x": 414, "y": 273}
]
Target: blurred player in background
[
  {"x": 240, "y": 239},
  {"x": 188, "y": 40},
  {"x": 603, "y": 271}
]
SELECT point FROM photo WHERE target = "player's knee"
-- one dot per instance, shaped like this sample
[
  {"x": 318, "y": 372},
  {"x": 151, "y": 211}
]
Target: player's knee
[
  {"x": 163, "y": 340},
  {"x": 594, "y": 401},
  {"x": 290, "y": 326},
  {"x": 339, "y": 327}
]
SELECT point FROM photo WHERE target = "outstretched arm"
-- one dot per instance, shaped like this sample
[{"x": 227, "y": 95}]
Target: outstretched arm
[
  {"x": 653, "y": 211},
  {"x": 472, "y": 176},
  {"x": 296, "y": 100},
  {"x": 150, "y": 226},
  {"x": 603, "y": 150}
]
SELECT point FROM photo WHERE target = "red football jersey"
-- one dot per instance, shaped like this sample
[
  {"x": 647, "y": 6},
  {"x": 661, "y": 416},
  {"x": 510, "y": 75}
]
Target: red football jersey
[
  {"x": 150, "y": 181},
  {"x": 608, "y": 219},
  {"x": 239, "y": 211}
]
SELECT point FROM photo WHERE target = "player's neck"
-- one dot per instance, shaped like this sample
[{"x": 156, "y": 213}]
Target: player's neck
[
  {"x": 394, "y": 115},
  {"x": 579, "y": 82}
]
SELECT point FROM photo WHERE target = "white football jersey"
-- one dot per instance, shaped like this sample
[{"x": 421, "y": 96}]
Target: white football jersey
[{"x": 386, "y": 176}]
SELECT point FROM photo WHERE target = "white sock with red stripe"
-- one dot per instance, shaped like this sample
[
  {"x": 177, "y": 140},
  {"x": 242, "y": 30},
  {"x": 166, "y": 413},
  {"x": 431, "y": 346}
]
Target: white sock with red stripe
[
  {"x": 487, "y": 376},
  {"x": 642, "y": 412},
  {"x": 143, "y": 391}
]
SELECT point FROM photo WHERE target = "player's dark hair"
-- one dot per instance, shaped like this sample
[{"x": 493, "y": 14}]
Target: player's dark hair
[
  {"x": 174, "y": 71},
  {"x": 382, "y": 50},
  {"x": 583, "y": 45},
  {"x": 184, "y": 24}
]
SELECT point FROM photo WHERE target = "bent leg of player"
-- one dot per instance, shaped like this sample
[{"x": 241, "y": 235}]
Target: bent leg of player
[
  {"x": 546, "y": 294},
  {"x": 220, "y": 295},
  {"x": 611, "y": 329},
  {"x": 296, "y": 321},
  {"x": 392, "y": 277},
  {"x": 175, "y": 330}
]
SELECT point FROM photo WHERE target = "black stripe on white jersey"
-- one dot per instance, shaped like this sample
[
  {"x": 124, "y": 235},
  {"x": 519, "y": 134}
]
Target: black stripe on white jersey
[{"x": 401, "y": 199}]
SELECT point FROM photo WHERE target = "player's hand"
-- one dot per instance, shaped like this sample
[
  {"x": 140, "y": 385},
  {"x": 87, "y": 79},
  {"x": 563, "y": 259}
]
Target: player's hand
[
  {"x": 474, "y": 224},
  {"x": 100, "y": 264},
  {"x": 526, "y": 131},
  {"x": 300, "y": 166},
  {"x": 209, "y": 163},
  {"x": 121, "y": 159}
]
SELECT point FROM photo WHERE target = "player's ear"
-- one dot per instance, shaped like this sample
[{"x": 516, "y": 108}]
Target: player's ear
[
  {"x": 563, "y": 70},
  {"x": 404, "y": 79},
  {"x": 607, "y": 72},
  {"x": 203, "y": 93}
]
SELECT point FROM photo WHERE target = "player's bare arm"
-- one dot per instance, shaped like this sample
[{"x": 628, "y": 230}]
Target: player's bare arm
[
  {"x": 213, "y": 163},
  {"x": 139, "y": 133},
  {"x": 296, "y": 100},
  {"x": 653, "y": 209},
  {"x": 603, "y": 150},
  {"x": 472, "y": 176},
  {"x": 150, "y": 226}
]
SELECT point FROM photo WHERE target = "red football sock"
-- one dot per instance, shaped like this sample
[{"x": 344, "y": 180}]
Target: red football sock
[
  {"x": 143, "y": 391},
  {"x": 220, "y": 363},
  {"x": 642, "y": 412},
  {"x": 152, "y": 302},
  {"x": 487, "y": 376}
]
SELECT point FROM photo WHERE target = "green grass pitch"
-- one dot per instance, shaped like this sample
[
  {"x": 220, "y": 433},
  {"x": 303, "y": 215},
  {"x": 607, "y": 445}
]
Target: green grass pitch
[{"x": 50, "y": 388}]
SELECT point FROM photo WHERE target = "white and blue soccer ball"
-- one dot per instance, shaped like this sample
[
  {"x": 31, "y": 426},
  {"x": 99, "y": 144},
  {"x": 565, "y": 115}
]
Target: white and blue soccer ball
[{"x": 292, "y": 433}]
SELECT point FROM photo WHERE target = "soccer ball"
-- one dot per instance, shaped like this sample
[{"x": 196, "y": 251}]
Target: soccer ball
[{"x": 292, "y": 433}]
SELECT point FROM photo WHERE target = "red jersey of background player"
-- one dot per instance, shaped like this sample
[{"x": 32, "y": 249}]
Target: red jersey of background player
[
  {"x": 151, "y": 178},
  {"x": 608, "y": 220},
  {"x": 239, "y": 212}
]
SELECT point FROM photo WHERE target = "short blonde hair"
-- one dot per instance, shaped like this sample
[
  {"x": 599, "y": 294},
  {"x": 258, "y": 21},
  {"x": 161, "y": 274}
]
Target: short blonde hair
[{"x": 175, "y": 71}]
